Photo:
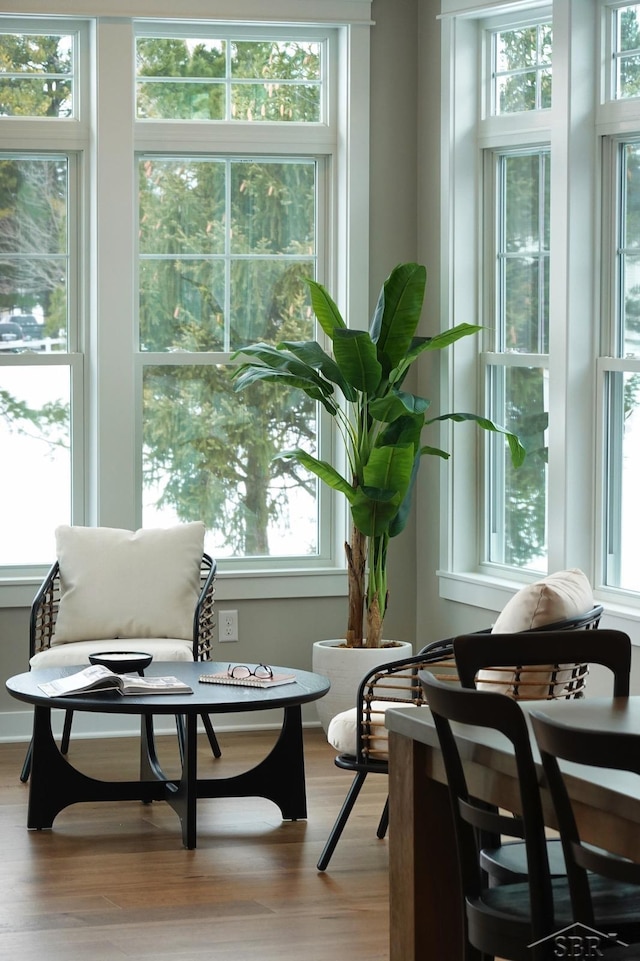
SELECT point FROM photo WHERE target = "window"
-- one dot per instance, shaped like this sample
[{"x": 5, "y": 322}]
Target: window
[
  {"x": 39, "y": 370},
  {"x": 167, "y": 189},
  {"x": 545, "y": 172},
  {"x": 621, "y": 373},
  {"x": 625, "y": 52},
  {"x": 180, "y": 78},
  {"x": 521, "y": 68},
  {"x": 517, "y": 369},
  {"x": 516, "y": 255},
  {"x": 205, "y": 288},
  {"x": 37, "y": 74}
]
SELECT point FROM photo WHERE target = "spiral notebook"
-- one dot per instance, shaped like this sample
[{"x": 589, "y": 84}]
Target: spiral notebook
[{"x": 223, "y": 678}]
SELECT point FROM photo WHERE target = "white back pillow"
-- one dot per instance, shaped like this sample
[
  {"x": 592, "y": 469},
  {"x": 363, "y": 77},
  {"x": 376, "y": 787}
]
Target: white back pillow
[
  {"x": 554, "y": 598},
  {"x": 119, "y": 583},
  {"x": 559, "y": 596}
]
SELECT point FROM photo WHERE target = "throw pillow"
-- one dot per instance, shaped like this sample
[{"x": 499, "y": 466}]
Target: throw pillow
[
  {"x": 559, "y": 596},
  {"x": 554, "y": 598},
  {"x": 131, "y": 584}
]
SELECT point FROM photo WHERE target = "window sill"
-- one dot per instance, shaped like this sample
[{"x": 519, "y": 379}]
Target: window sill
[
  {"x": 478, "y": 590},
  {"x": 246, "y": 585},
  {"x": 492, "y": 593}
]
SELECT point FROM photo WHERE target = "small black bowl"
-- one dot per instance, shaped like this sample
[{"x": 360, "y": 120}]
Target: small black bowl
[{"x": 122, "y": 662}]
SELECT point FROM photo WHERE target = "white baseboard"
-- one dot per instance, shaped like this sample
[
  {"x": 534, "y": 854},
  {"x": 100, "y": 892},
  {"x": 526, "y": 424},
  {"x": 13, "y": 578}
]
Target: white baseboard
[{"x": 15, "y": 726}]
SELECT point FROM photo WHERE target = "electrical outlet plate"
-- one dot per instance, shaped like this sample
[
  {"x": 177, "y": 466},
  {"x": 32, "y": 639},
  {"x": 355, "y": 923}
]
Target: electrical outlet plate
[{"x": 227, "y": 626}]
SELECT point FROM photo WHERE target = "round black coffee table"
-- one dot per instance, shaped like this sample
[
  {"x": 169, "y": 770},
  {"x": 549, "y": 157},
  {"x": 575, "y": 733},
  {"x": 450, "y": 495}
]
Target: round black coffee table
[{"x": 55, "y": 783}]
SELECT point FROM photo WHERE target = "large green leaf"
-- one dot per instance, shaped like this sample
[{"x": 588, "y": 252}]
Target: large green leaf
[
  {"x": 439, "y": 342},
  {"x": 321, "y": 469},
  {"x": 399, "y": 522},
  {"x": 325, "y": 309},
  {"x": 355, "y": 355},
  {"x": 517, "y": 451},
  {"x": 310, "y": 352},
  {"x": 447, "y": 337},
  {"x": 388, "y": 470},
  {"x": 397, "y": 312},
  {"x": 267, "y": 354},
  {"x": 279, "y": 360},
  {"x": 315, "y": 389},
  {"x": 372, "y": 516},
  {"x": 435, "y": 452},
  {"x": 396, "y": 404},
  {"x": 404, "y": 430}
]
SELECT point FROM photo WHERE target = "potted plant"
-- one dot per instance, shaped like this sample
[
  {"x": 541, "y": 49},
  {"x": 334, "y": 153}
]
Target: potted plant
[{"x": 380, "y": 423}]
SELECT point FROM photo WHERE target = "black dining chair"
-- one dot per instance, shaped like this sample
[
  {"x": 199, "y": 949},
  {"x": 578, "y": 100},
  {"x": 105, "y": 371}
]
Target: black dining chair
[
  {"x": 502, "y": 920},
  {"x": 589, "y": 869},
  {"x": 533, "y": 666},
  {"x": 542, "y": 665}
]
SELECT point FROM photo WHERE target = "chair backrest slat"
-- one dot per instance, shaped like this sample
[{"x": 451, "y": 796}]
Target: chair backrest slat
[
  {"x": 466, "y": 707},
  {"x": 523, "y": 655},
  {"x": 608, "y": 750}
]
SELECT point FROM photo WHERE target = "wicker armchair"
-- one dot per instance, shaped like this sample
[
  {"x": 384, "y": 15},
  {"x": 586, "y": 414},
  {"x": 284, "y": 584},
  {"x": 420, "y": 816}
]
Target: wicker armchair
[
  {"x": 361, "y": 737},
  {"x": 44, "y": 612}
]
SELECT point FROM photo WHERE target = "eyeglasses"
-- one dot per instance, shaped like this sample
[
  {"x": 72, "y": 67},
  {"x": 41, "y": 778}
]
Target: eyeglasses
[{"x": 239, "y": 671}]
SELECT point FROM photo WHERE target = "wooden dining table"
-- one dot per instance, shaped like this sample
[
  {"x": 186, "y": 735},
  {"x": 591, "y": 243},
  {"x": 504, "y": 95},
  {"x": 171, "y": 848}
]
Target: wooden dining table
[{"x": 426, "y": 919}]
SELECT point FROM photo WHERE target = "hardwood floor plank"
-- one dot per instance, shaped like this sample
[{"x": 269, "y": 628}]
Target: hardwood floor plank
[{"x": 111, "y": 882}]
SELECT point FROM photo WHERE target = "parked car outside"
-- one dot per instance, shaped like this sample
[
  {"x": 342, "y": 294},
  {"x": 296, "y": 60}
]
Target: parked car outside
[
  {"x": 31, "y": 328},
  {"x": 10, "y": 331}
]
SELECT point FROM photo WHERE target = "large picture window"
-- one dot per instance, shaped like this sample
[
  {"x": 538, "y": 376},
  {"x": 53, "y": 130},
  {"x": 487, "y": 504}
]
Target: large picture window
[
  {"x": 209, "y": 452},
  {"x": 37, "y": 370},
  {"x": 167, "y": 189}
]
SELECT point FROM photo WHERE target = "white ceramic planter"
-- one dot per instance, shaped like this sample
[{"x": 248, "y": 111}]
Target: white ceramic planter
[{"x": 345, "y": 667}]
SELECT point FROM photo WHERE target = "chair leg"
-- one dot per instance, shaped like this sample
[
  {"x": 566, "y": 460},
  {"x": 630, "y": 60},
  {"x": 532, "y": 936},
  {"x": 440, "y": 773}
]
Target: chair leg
[
  {"x": 66, "y": 732},
  {"x": 384, "y": 821},
  {"x": 26, "y": 766},
  {"x": 341, "y": 820},
  {"x": 211, "y": 734}
]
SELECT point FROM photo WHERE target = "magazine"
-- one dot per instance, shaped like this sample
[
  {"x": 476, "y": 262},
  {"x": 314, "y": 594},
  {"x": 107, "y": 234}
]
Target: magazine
[
  {"x": 100, "y": 678},
  {"x": 252, "y": 681}
]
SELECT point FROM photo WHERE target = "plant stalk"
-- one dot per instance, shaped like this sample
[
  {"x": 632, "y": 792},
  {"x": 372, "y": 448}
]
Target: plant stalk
[{"x": 356, "y": 553}]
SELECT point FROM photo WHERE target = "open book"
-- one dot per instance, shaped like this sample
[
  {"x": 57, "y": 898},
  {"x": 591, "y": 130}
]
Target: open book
[
  {"x": 253, "y": 681},
  {"x": 100, "y": 678}
]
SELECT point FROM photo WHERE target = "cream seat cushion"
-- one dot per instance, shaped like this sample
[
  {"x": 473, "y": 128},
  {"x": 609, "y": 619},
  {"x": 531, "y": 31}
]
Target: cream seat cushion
[
  {"x": 120, "y": 584},
  {"x": 342, "y": 732},
  {"x": 68, "y": 655},
  {"x": 561, "y": 595}
]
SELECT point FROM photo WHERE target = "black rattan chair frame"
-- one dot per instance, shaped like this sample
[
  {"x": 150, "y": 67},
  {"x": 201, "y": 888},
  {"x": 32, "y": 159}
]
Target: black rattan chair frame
[
  {"x": 396, "y": 683},
  {"x": 42, "y": 623}
]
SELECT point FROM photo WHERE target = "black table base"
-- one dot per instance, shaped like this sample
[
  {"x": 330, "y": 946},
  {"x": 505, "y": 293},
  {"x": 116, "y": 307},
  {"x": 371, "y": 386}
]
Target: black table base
[{"x": 55, "y": 783}]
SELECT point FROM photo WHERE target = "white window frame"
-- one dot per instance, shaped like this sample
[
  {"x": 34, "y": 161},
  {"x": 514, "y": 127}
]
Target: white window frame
[
  {"x": 107, "y": 296},
  {"x": 574, "y": 126}
]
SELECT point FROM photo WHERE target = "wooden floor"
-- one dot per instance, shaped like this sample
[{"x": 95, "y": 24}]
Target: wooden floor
[{"x": 112, "y": 882}]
